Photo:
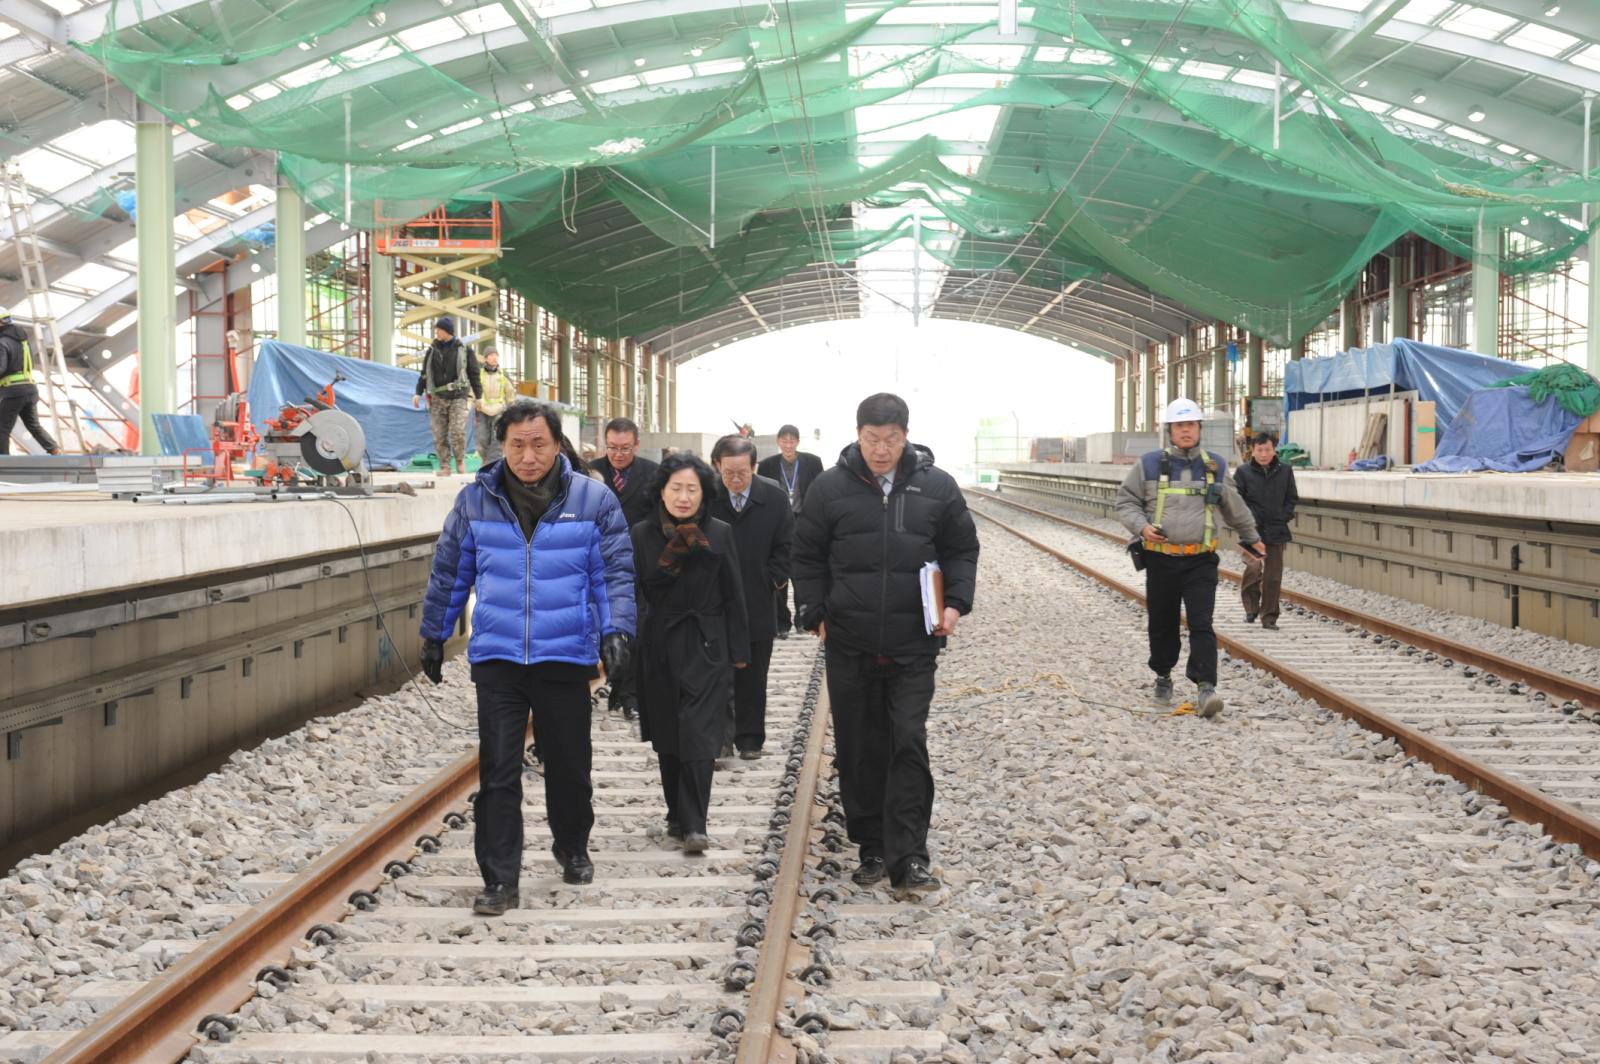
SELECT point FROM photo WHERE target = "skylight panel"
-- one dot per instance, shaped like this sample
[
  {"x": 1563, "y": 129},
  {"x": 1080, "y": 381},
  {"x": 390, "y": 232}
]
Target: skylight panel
[
  {"x": 1509, "y": 149},
  {"x": 1050, "y": 55},
  {"x": 43, "y": 168},
  {"x": 413, "y": 142},
  {"x": 1090, "y": 57},
  {"x": 564, "y": 96},
  {"x": 66, "y": 7},
  {"x": 1589, "y": 57},
  {"x": 1542, "y": 40},
  {"x": 937, "y": 15},
  {"x": 266, "y": 90},
  {"x": 370, "y": 52},
  {"x": 439, "y": 31},
  {"x": 321, "y": 70},
  {"x": 460, "y": 126},
  {"x": 1405, "y": 114},
  {"x": 1476, "y": 22},
  {"x": 667, "y": 74},
  {"x": 487, "y": 19},
  {"x": 553, "y": 8},
  {"x": 241, "y": 101},
  {"x": 91, "y": 277},
  {"x": 7, "y": 31},
  {"x": 99, "y": 143},
  {"x": 1424, "y": 11},
  {"x": 1196, "y": 69},
  {"x": 1467, "y": 134},
  {"x": 627, "y": 81},
  {"x": 713, "y": 67},
  {"x": 1255, "y": 78},
  {"x": 1342, "y": 5}
]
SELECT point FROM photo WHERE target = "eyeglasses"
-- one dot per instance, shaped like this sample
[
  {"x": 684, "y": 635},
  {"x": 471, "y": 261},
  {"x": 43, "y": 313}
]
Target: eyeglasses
[
  {"x": 624, "y": 448},
  {"x": 870, "y": 442}
]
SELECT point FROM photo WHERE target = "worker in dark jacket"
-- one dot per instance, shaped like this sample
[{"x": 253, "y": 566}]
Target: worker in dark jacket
[
  {"x": 629, "y": 476},
  {"x": 693, "y": 634},
  {"x": 449, "y": 382},
  {"x": 1267, "y": 486},
  {"x": 795, "y": 470},
  {"x": 870, "y": 525},
  {"x": 763, "y": 532},
  {"x": 545, "y": 550},
  {"x": 19, "y": 395}
]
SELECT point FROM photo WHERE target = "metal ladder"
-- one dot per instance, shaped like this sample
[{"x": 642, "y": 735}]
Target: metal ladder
[{"x": 47, "y": 335}]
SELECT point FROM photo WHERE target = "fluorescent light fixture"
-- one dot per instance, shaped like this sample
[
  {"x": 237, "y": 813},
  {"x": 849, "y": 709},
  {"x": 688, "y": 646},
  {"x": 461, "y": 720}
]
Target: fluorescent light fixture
[
  {"x": 1477, "y": 114},
  {"x": 1418, "y": 96}
]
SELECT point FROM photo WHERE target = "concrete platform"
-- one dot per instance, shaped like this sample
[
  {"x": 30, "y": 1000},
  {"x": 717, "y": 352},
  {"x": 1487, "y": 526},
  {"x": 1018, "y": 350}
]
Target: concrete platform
[{"x": 83, "y": 543}]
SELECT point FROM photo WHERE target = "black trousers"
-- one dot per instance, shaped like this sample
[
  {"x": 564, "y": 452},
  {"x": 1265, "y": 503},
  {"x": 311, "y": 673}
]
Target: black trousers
[
  {"x": 686, "y": 785},
  {"x": 880, "y": 730},
  {"x": 21, "y": 401},
  {"x": 750, "y": 697},
  {"x": 1186, "y": 582},
  {"x": 781, "y": 603},
  {"x": 557, "y": 695}
]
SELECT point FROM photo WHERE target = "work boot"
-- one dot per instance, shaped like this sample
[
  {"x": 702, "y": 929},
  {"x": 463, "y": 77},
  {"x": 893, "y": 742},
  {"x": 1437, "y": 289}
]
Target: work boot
[
  {"x": 576, "y": 868},
  {"x": 1164, "y": 689},
  {"x": 461, "y": 469},
  {"x": 916, "y": 881},
  {"x": 495, "y": 900},
  {"x": 1208, "y": 703},
  {"x": 868, "y": 872}
]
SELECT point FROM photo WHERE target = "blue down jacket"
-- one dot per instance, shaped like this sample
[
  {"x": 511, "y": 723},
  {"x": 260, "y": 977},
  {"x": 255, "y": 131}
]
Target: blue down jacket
[{"x": 548, "y": 600}]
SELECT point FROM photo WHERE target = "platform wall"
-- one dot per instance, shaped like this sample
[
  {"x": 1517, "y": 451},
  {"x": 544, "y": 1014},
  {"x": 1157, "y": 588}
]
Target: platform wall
[{"x": 1522, "y": 551}]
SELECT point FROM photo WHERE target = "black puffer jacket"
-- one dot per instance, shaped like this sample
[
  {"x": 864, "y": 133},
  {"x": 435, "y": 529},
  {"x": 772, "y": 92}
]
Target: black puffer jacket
[
  {"x": 858, "y": 552},
  {"x": 1270, "y": 493}
]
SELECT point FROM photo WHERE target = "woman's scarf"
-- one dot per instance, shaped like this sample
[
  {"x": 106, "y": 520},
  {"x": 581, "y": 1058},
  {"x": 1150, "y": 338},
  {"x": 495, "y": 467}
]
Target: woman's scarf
[{"x": 682, "y": 540}]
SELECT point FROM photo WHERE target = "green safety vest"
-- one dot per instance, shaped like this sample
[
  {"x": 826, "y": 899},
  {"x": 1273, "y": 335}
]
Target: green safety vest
[
  {"x": 25, "y": 376},
  {"x": 1164, "y": 488},
  {"x": 461, "y": 372}
]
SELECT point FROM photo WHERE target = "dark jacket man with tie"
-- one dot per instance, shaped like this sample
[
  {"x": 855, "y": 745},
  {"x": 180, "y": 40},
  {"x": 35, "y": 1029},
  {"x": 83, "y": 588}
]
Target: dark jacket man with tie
[
  {"x": 793, "y": 470},
  {"x": 629, "y": 476},
  {"x": 763, "y": 532}
]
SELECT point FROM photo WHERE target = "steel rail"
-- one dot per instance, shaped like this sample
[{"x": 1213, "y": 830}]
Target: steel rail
[
  {"x": 1562, "y": 821},
  {"x": 760, "y": 1043},
  {"x": 1553, "y": 684},
  {"x": 159, "y": 1022}
]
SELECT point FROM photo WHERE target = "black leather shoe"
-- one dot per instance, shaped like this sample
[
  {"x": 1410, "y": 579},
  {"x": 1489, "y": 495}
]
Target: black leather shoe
[
  {"x": 674, "y": 830},
  {"x": 696, "y": 842},
  {"x": 1271, "y": 626},
  {"x": 868, "y": 872},
  {"x": 750, "y": 755},
  {"x": 916, "y": 881},
  {"x": 495, "y": 900},
  {"x": 576, "y": 868},
  {"x": 1249, "y": 618}
]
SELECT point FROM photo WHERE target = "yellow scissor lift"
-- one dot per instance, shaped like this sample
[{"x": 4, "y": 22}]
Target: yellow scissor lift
[{"x": 448, "y": 253}]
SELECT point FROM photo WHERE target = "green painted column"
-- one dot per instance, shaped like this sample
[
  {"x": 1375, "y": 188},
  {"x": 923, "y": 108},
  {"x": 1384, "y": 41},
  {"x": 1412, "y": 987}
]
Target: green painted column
[
  {"x": 1486, "y": 289},
  {"x": 1174, "y": 355},
  {"x": 566, "y": 378},
  {"x": 1257, "y": 366},
  {"x": 532, "y": 341},
  {"x": 155, "y": 197},
  {"x": 291, "y": 244},
  {"x": 592, "y": 377},
  {"x": 1593, "y": 358},
  {"x": 380, "y": 284},
  {"x": 1116, "y": 395}
]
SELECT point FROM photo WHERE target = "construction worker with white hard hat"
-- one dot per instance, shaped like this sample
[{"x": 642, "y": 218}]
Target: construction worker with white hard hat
[
  {"x": 1174, "y": 501},
  {"x": 19, "y": 395}
]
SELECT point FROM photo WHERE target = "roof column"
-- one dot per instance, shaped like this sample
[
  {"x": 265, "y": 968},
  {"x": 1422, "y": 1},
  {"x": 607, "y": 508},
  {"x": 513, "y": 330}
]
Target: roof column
[
  {"x": 564, "y": 364},
  {"x": 290, "y": 236},
  {"x": 1118, "y": 371},
  {"x": 1486, "y": 289},
  {"x": 156, "y": 204},
  {"x": 380, "y": 308}
]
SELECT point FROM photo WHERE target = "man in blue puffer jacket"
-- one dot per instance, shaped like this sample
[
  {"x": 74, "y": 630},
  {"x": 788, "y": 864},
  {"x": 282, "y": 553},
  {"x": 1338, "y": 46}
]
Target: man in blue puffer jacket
[{"x": 547, "y": 552}]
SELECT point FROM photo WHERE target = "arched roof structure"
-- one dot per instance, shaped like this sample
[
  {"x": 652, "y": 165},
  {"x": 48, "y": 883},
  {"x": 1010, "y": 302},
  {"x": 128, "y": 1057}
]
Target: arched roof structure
[{"x": 1100, "y": 172}]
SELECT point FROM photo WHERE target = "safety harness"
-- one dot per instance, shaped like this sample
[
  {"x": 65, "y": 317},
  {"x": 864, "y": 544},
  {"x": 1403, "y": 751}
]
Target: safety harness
[
  {"x": 23, "y": 376},
  {"x": 1165, "y": 487},
  {"x": 456, "y": 385}
]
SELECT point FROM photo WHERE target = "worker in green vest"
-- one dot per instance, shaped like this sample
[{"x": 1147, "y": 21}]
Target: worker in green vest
[
  {"x": 448, "y": 383},
  {"x": 19, "y": 396},
  {"x": 498, "y": 393}
]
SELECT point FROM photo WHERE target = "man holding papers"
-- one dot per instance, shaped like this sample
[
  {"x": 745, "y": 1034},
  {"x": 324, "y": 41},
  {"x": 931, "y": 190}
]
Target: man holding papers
[{"x": 885, "y": 565}]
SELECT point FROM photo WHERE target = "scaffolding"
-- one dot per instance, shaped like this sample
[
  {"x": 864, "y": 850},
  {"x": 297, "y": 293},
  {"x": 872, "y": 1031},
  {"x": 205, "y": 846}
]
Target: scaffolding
[{"x": 444, "y": 254}]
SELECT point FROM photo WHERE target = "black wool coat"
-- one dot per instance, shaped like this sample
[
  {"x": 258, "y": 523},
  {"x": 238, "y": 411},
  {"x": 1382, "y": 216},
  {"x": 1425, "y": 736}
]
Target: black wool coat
[
  {"x": 637, "y": 501},
  {"x": 1270, "y": 493},
  {"x": 763, "y": 536},
  {"x": 808, "y": 467},
  {"x": 858, "y": 552},
  {"x": 692, "y": 628}
]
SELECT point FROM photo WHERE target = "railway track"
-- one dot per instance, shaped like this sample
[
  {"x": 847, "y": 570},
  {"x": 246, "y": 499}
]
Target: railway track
[
  {"x": 738, "y": 953},
  {"x": 1519, "y": 735}
]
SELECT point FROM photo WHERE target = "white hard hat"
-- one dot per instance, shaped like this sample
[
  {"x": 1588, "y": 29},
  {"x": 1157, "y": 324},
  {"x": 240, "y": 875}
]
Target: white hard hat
[{"x": 1182, "y": 410}]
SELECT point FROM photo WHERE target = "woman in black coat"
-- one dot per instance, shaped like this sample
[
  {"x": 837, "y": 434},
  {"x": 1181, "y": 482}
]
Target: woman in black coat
[{"x": 693, "y": 632}]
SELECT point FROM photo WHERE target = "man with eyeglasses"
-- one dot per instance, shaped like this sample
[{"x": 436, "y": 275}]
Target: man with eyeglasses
[
  {"x": 629, "y": 476},
  {"x": 869, "y": 526}
]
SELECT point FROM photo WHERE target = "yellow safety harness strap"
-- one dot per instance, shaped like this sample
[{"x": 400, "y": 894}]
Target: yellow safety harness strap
[
  {"x": 25, "y": 376},
  {"x": 1164, "y": 488}
]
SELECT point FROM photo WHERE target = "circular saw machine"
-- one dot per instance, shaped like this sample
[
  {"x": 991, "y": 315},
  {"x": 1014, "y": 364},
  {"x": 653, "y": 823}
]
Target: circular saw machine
[{"x": 317, "y": 435}]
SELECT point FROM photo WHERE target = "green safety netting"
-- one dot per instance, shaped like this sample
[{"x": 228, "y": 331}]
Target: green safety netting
[{"x": 1113, "y": 152}]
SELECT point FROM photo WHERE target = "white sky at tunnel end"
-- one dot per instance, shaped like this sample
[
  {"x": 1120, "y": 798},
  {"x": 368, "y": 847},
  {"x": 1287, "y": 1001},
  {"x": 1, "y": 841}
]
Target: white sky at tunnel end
[{"x": 952, "y": 374}]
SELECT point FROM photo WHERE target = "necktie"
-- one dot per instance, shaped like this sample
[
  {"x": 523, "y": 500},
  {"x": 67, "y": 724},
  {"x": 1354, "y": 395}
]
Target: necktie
[
  {"x": 618, "y": 480},
  {"x": 883, "y": 482},
  {"x": 738, "y": 503}
]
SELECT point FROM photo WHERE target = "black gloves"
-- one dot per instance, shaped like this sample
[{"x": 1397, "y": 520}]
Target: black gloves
[
  {"x": 614, "y": 654},
  {"x": 433, "y": 659},
  {"x": 808, "y": 618}
]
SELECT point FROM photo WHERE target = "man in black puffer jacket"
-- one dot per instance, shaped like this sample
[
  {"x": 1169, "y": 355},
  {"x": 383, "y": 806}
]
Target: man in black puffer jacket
[{"x": 869, "y": 526}]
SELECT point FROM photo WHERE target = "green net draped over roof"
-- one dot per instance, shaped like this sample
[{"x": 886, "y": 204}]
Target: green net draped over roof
[{"x": 595, "y": 131}]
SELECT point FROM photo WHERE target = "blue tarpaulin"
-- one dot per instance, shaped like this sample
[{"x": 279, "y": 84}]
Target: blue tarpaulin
[
  {"x": 1505, "y": 430},
  {"x": 378, "y": 396},
  {"x": 1442, "y": 375}
]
